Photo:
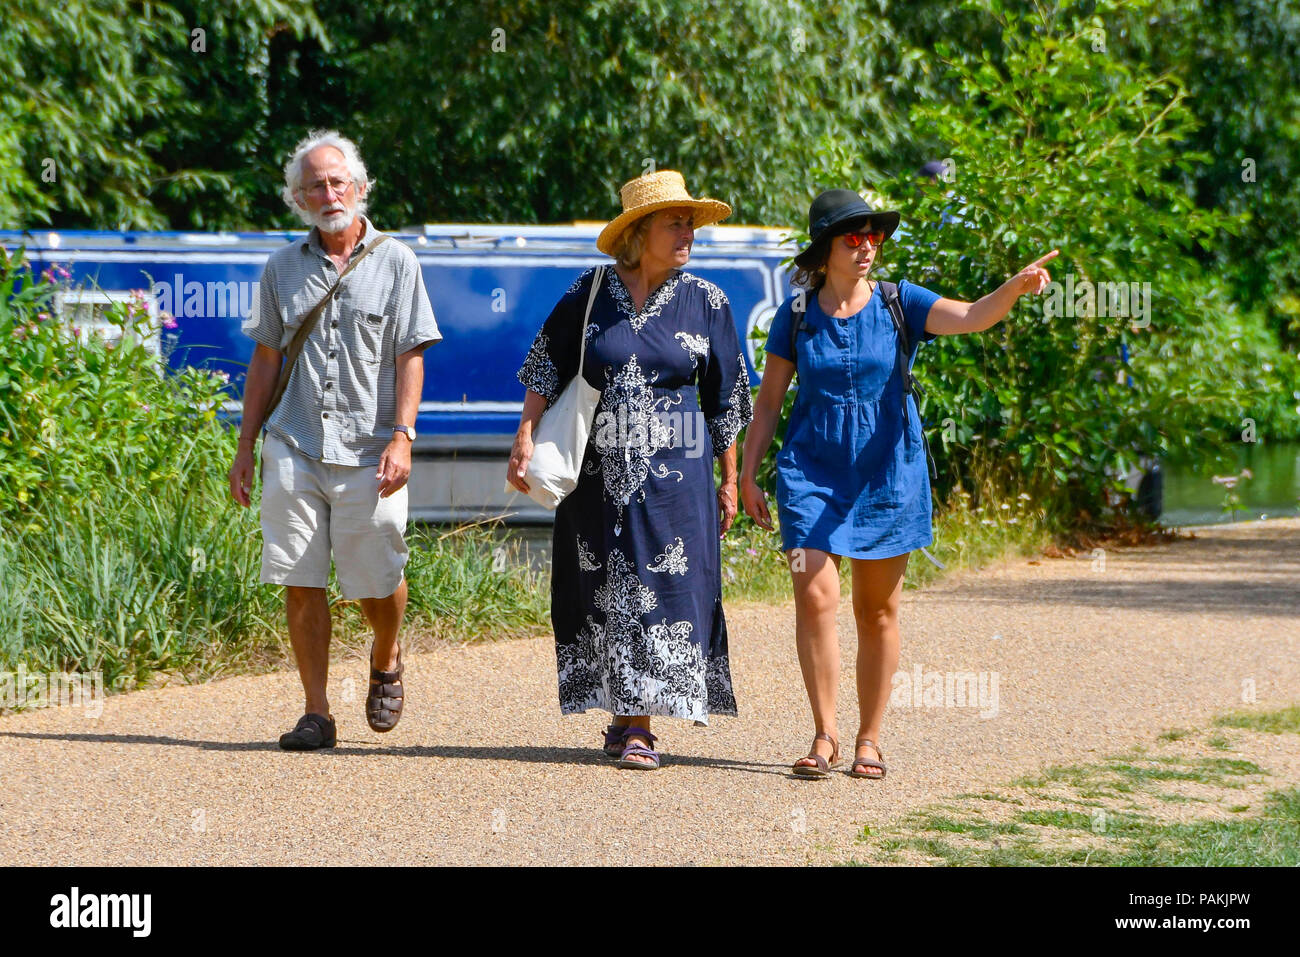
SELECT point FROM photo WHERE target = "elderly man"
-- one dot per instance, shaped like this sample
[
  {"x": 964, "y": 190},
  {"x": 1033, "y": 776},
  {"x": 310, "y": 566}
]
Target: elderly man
[{"x": 337, "y": 450}]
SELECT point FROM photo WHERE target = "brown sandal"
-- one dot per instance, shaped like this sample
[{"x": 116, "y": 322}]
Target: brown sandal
[
  {"x": 823, "y": 766},
  {"x": 864, "y": 763},
  {"x": 385, "y": 698}
]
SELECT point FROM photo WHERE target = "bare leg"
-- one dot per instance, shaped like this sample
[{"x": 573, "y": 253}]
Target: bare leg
[
  {"x": 816, "y": 576},
  {"x": 309, "y": 634},
  {"x": 385, "y": 617},
  {"x": 877, "y": 589}
]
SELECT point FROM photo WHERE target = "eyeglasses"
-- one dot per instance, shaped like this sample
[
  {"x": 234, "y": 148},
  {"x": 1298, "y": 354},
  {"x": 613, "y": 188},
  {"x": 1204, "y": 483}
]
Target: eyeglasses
[
  {"x": 873, "y": 235},
  {"x": 339, "y": 186}
]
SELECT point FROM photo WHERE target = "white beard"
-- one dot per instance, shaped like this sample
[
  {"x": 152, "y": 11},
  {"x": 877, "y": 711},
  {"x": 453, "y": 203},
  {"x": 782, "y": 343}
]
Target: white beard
[{"x": 339, "y": 220}]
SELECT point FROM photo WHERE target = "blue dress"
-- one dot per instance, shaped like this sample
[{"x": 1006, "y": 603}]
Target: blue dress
[
  {"x": 636, "y": 571},
  {"x": 848, "y": 481}
]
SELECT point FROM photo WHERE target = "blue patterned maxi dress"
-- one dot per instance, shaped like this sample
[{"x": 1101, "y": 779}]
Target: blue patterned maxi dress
[{"x": 636, "y": 586}]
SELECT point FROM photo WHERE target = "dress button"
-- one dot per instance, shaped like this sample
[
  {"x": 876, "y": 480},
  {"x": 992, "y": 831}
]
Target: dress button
[
  {"x": 334, "y": 324},
  {"x": 324, "y": 415},
  {"x": 333, "y": 354},
  {"x": 329, "y": 385}
]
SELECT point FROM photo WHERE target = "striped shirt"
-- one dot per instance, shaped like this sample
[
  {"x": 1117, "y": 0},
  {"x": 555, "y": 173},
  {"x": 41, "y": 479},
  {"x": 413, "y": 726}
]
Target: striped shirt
[{"x": 341, "y": 402}]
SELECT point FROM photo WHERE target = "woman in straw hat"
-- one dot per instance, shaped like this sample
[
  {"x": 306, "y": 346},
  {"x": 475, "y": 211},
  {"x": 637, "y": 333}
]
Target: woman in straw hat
[
  {"x": 851, "y": 474},
  {"x": 636, "y": 589}
]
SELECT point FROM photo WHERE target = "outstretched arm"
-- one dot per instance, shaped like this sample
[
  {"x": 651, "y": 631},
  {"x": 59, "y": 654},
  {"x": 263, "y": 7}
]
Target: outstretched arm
[{"x": 952, "y": 317}]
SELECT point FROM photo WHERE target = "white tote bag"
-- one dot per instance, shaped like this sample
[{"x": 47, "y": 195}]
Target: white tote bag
[{"x": 560, "y": 441}]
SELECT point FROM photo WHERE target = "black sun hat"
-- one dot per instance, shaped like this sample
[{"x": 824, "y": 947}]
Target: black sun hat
[{"x": 834, "y": 212}]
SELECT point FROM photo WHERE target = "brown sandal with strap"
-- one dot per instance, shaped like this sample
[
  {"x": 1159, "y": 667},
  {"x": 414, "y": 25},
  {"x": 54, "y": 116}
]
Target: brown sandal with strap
[
  {"x": 865, "y": 763},
  {"x": 822, "y": 766},
  {"x": 385, "y": 698}
]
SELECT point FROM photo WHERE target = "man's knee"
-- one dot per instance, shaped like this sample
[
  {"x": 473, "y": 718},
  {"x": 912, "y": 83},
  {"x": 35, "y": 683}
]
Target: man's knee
[{"x": 298, "y": 596}]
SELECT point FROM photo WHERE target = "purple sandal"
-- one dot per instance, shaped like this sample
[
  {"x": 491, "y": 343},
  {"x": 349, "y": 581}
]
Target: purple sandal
[
  {"x": 614, "y": 741},
  {"x": 640, "y": 750}
]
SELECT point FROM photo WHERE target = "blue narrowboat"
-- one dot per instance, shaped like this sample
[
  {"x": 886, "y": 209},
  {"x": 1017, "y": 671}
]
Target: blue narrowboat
[{"x": 491, "y": 289}]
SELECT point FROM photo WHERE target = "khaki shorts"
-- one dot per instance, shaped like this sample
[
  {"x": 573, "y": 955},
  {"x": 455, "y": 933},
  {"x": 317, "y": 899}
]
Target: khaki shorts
[{"x": 310, "y": 508}]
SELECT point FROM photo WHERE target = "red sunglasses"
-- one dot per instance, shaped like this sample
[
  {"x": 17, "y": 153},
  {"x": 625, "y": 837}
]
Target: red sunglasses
[{"x": 872, "y": 235}]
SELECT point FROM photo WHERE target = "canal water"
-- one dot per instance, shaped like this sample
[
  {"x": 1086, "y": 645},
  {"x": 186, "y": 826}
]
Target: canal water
[{"x": 1265, "y": 484}]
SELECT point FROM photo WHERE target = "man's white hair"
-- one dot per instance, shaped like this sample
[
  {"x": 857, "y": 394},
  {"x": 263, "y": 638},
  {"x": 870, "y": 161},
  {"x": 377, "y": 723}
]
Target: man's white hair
[{"x": 351, "y": 156}]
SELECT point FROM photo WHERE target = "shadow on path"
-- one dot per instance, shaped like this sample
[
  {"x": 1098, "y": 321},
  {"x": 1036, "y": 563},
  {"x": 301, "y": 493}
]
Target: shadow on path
[
  {"x": 526, "y": 754},
  {"x": 1247, "y": 597}
]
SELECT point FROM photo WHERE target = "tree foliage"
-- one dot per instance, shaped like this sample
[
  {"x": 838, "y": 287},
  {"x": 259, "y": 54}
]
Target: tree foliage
[{"x": 1058, "y": 145}]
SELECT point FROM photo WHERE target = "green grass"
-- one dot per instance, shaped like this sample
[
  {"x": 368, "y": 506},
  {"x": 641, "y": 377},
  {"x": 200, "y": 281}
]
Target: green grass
[
  {"x": 166, "y": 581},
  {"x": 1271, "y": 838},
  {"x": 1273, "y": 722},
  {"x": 136, "y": 582},
  {"x": 1114, "y": 831}
]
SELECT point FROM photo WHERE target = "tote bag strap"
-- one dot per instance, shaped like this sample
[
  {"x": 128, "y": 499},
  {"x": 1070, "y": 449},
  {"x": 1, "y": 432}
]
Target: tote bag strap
[{"x": 591, "y": 298}]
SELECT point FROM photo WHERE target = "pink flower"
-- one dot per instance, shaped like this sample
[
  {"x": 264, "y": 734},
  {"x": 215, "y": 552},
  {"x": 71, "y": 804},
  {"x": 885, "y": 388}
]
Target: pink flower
[
  {"x": 42, "y": 316},
  {"x": 63, "y": 273},
  {"x": 168, "y": 321},
  {"x": 145, "y": 407}
]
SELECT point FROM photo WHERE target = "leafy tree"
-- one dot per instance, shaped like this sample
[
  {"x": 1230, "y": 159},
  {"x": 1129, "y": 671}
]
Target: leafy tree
[
  {"x": 119, "y": 121},
  {"x": 534, "y": 112}
]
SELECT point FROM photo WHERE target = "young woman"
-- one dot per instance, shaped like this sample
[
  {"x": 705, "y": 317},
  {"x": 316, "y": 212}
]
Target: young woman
[{"x": 852, "y": 478}]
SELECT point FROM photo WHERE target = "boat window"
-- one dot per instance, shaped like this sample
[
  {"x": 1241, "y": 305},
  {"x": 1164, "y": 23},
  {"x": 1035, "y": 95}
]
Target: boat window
[{"x": 87, "y": 309}]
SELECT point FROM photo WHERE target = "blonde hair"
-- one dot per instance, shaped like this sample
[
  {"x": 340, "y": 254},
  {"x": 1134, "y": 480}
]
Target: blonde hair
[{"x": 632, "y": 245}]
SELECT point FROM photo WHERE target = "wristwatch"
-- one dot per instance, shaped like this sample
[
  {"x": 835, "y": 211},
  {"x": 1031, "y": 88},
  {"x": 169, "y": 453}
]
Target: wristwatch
[{"x": 407, "y": 430}]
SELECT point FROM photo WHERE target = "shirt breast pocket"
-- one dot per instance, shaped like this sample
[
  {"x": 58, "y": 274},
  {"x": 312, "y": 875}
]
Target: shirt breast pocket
[{"x": 372, "y": 331}]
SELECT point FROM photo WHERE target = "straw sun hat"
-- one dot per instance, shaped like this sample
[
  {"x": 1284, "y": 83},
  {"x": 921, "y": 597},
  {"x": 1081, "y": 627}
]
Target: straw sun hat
[{"x": 665, "y": 189}]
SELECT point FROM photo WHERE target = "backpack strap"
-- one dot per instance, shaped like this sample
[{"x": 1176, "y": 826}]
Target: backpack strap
[
  {"x": 798, "y": 320},
  {"x": 894, "y": 305}
]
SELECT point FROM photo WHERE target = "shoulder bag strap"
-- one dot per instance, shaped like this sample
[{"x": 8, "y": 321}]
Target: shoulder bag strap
[
  {"x": 591, "y": 298},
  {"x": 309, "y": 323}
]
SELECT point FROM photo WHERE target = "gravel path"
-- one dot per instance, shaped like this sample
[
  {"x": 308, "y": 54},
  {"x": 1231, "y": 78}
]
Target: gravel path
[{"x": 482, "y": 769}]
